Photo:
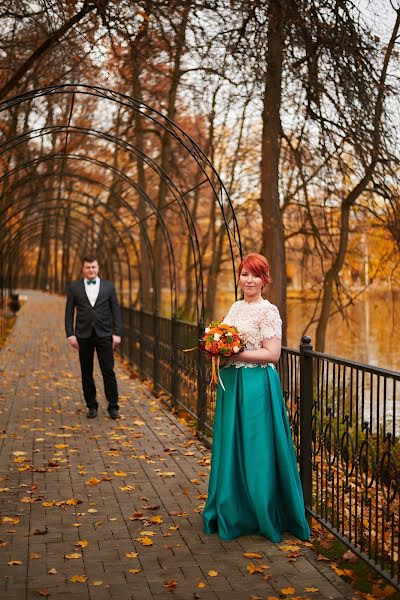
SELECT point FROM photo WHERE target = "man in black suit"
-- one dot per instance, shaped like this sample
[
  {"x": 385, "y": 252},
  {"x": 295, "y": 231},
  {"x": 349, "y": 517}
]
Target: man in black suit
[{"x": 97, "y": 327}]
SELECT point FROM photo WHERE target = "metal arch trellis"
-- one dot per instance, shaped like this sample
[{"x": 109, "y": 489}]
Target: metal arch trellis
[
  {"x": 210, "y": 176},
  {"x": 14, "y": 233}
]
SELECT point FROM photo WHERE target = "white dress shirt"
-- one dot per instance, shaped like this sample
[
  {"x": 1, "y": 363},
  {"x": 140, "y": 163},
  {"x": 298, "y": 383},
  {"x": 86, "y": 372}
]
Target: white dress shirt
[{"x": 92, "y": 291}]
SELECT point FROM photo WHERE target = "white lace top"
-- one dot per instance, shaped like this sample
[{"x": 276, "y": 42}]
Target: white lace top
[{"x": 255, "y": 321}]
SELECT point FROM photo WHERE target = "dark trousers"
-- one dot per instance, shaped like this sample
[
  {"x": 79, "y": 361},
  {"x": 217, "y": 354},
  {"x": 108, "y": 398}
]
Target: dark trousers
[{"x": 104, "y": 350}]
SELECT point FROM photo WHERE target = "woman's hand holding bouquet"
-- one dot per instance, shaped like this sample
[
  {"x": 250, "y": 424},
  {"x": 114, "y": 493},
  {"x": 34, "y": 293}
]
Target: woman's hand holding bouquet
[{"x": 220, "y": 341}]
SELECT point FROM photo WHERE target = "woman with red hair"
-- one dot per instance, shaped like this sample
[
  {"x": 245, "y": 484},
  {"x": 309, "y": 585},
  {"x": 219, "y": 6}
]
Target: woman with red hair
[{"x": 254, "y": 482}]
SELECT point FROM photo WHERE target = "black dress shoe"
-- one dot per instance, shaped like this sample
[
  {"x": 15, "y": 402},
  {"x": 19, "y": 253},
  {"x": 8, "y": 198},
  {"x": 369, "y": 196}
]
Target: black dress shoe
[
  {"x": 92, "y": 413},
  {"x": 114, "y": 414}
]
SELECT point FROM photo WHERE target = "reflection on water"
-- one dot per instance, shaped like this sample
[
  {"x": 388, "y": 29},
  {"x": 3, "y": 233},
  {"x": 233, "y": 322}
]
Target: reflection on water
[{"x": 369, "y": 334}]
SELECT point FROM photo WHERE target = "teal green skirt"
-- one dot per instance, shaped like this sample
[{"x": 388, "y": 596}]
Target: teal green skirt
[{"x": 254, "y": 485}]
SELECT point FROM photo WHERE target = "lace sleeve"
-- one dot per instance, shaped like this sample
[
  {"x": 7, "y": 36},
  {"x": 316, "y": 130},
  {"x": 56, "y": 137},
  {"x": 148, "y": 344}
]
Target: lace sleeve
[{"x": 271, "y": 323}]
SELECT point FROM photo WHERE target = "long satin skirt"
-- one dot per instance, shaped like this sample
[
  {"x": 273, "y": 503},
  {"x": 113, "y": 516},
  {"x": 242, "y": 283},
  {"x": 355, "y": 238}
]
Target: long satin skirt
[{"x": 254, "y": 485}]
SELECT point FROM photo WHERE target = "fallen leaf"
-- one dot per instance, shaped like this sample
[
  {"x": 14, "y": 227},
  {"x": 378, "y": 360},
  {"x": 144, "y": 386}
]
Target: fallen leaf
[
  {"x": 145, "y": 541},
  {"x": 252, "y": 555},
  {"x": 34, "y": 556},
  {"x": 170, "y": 584},
  {"x": 43, "y": 593},
  {"x": 82, "y": 544},
  {"x": 52, "y": 571},
  {"x": 40, "y": 531},
  {"x": 252, "y": 568},
  {"x": 96, "y": 583},
  {"x": 134, "y": 571},
  {"x": 127, "y": 488},
  {"x": 311, "y": 589},
  {"x": 120, "y": 474},
  {"x": 156, "y": 519},
  {"x": 92, "y": 510},
  {"x": 213, "y": 573},
  {"x": 93, "y": 481},
  {"x": 131, "y": 554},
  {"x": 78, "y": 579},
  {"x": 201, "y": 584},
  {"x": 73, "y": 502},
  {"x": 289, "y": 548},
  {"x": 166, "y": 473},
  {"x": 287, "y": 591},
  {"x": 72, "y": 556},
  {"x": 14, "y": 563}
]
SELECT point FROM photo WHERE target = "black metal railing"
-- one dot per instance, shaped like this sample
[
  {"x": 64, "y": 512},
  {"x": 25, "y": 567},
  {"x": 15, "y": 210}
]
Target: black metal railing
[{"x": 344, "y": 418}]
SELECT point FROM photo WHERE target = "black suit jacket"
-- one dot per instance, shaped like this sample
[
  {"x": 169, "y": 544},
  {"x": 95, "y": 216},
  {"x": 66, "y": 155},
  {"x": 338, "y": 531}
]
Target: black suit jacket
[{"x": 104, "y": 317}]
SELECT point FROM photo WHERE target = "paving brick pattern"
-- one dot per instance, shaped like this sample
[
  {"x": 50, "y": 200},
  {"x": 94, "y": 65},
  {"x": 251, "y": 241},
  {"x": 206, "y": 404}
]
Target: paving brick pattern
[{"x": 122, "y": 473}]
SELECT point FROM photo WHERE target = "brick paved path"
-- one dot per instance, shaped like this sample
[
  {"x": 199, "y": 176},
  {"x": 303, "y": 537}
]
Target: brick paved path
[{"x": 123, "y": 474}]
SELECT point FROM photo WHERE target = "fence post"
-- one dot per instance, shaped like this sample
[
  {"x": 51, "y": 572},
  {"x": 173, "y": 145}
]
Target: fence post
[
  {"x": 141, "y": 342},
  {"x": 306, "y": 404},
  {"x": 201, "y": 388},
  {"x": 175, "y": 361},
  {"x": 156, "y": 351}
]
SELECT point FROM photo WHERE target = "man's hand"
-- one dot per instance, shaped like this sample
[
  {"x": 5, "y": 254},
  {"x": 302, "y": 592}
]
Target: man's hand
[
  {"x": 73, "y": 342},
  {"x": 115, "y": 341}
]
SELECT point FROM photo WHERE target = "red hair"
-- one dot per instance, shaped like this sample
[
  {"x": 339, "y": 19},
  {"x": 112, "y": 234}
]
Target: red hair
[{"x": 256, "y": 264}]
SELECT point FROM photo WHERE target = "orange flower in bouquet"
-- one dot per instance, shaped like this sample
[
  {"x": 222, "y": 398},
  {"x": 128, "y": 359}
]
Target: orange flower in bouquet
[{"x": 220, "y": 341}]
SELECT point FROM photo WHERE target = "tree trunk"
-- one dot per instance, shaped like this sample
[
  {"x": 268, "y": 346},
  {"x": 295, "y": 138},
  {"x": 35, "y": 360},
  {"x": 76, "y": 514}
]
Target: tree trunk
[
  {"x": 273, "y": 242},
  {"x": 333, "y": 273}
]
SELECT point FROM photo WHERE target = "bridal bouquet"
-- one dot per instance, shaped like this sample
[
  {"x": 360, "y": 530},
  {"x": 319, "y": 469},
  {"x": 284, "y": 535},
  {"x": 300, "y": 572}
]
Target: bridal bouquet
[{"x": 220, "y": 341}]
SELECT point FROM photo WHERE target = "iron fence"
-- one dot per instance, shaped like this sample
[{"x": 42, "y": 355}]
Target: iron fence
[{"x": 344, "y": 418}]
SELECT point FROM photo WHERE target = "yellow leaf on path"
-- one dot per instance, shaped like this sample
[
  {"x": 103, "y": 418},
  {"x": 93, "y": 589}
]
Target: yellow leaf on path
[
  {"x": 92, "y": 510},
  {"x": 93, "y": 481},
  {"x": 134, "y": 571},
  {"x": 156, "y": 519},
  {"x": 287, "y": 591},
  {"x": 289, "y": 548},
  {"x": 82, "y": 544},
  {"x": 14, "y": 563},
  {"x": 120, "y": 474},
  {"x": 96, "y": 583},
  {"x": 170, "y": 584},
  {"x": 19, "y": 453},
  {"x": 145, "y": 541},
  {"x": 127, "y": 488},
  {"x": 34, "y": 556},
  {"x": 73, "y": 555},
  {"x": 131, "y": 554},
  {"x": 139, "y": 423},
  {"x": 60, "y": 445},
  {"x": 166, "y": 473},
  {"x": 213, "y": 573},
  {"x": 252, "y": 555},
  {"x": 52, "y": 571},
  {"x": 76, "y": 524},
  {"x": 147, "y": 533},
  {"x": 4, "y": 490},
  {"x": 201, "y": 584},
  {"x": 78, "y": 579},
  {"x": 272, "y": 598},
  {"x": 13, "y": 520},
  {"x": 311, "y": 589},
  {"x": 252, "y": 568},
  {"x": 73, "y": 502}
]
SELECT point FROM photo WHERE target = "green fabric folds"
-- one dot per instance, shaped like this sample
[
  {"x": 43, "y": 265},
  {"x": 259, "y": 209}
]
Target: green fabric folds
[{"x": 254, "y": 484}]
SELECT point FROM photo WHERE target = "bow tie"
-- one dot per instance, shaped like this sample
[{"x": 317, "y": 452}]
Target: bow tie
[{"x": 89, "y": 281}]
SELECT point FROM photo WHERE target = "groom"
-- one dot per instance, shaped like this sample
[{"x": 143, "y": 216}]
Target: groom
[{"x": 97, "y": 327}]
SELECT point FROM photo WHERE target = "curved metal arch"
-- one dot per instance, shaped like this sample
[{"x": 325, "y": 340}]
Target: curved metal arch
[
  {"x": 27, "y": 232},
  {"x": 169, "y": 245},
  {"x": 90, "y": 208},
  {"x": 220, "y": 193},
  {"x": 95, "y": 183},
  {"x": 117, "y": 233},
  {"x": 131, "y": 148}
]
